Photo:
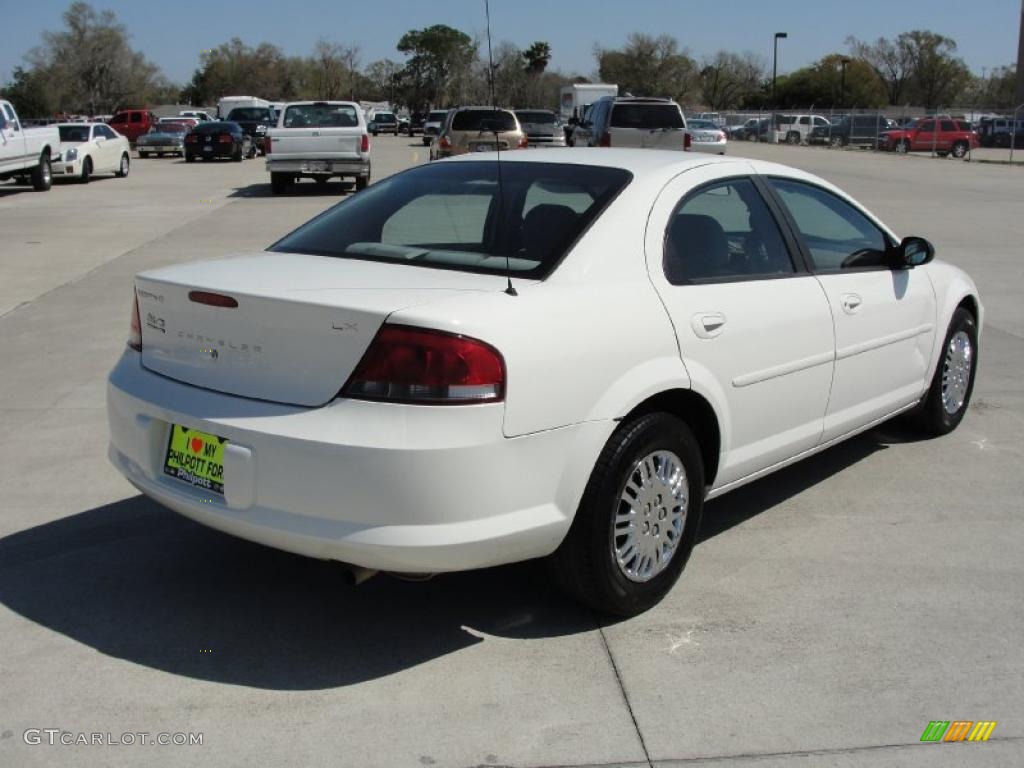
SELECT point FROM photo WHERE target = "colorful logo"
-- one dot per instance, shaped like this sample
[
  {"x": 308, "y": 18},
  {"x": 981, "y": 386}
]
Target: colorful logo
[{"x": 958, "y": 730}]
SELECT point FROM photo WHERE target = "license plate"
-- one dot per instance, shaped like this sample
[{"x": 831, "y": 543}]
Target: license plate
[
  {"x": 207, "y": 149},
  {"x": 485, "y": 147},
  {"x": 318, "y": 166},
  {"x": 196, "y": 458}
]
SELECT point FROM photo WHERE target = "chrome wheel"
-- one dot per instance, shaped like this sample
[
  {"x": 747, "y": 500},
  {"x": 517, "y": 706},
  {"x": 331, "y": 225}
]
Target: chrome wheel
[
  {"x": 650, "y": 516},
  {"x": 956, "y": 372}
]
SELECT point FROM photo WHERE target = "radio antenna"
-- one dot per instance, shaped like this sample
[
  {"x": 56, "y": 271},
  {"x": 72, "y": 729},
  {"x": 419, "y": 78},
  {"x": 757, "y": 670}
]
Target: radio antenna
[{"x": 509, "y": 289}]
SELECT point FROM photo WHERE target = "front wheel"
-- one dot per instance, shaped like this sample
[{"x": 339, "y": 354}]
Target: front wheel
[
  {"x": 83, "y": 177},
  {"x": 123, "y": 168},
  {"x": 949, "y": 394},
  {"x": 902, "y": 147},
  {"x": 637, "y": 522}
]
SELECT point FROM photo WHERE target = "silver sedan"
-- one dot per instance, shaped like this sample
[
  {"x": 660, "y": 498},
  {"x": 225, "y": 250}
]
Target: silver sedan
[{"x": 705, "y": 136}]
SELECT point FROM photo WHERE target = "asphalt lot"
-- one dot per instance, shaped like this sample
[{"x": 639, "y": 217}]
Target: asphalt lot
[{"x": 829, "y": 613}]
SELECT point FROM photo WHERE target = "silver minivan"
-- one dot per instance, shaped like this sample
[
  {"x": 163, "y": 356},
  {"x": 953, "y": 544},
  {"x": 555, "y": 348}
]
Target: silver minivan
[{"x": 643, "y": 123}]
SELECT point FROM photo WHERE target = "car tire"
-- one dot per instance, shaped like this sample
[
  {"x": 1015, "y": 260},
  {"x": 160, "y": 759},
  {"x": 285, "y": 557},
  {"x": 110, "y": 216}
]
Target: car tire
[
  {"x": 189, "y": 158},
  {"x": 124, "y": 167},
  {"x": 86, "y": 173},
  {"x": 143, "y": 155},
  {"x": 949, "y": 394},
  {"x": 902, "y": 147},
  {"x": 643, "y": 457},
  {"x": 792, "y": 137},
  {"x": 237, "y": 156},
  {"x": 362, "y": 182},
  {"x": 279, "y": 182},
  {"x": 42, "y": 175},
  {"x": 960, "y": 149}
]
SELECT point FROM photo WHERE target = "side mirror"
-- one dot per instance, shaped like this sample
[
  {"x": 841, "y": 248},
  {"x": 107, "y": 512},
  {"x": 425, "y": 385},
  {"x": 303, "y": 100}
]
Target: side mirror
[{"x": 914, "y": 252}]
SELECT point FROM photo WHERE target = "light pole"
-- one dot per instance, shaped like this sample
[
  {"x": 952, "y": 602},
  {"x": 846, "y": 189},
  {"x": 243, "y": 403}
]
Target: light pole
[
  {"x": 775, "y": 63},
  {"x": 842, "y": 81}
]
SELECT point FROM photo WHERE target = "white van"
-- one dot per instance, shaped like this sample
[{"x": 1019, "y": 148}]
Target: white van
[{"x": 225, "y": 105}]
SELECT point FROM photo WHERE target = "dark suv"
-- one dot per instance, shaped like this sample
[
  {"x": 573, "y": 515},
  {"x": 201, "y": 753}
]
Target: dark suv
[
  {"x": 254, "y": 122},
  {"x": 856, "y": 130}
]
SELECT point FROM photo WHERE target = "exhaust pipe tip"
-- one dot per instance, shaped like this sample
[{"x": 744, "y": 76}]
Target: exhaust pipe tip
[{"x": 354, "y": 575}]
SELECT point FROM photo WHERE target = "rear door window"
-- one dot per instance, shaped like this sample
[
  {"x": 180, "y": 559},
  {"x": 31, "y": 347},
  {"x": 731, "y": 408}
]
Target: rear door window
[
  {"x": 646, "y": 116},
  {"x": 483, "y": 119},
  {"x": 136, "y": 117}
]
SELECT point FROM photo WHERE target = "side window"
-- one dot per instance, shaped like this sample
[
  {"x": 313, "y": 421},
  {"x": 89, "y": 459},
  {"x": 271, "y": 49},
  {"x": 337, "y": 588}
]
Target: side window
[
  {"x": 927, "y": 126},
  {"x": 946, "y": 126},
  {"x": 820, "y": 121},
  {"x": 119, "y": 119},
  {"x": 837, "y": 235},
  {"x": 721, "y": 232},
  {"x": 805, "y": 120},
  {"x": 136, "y": 117},
  {"x": 105, "y": 131}
]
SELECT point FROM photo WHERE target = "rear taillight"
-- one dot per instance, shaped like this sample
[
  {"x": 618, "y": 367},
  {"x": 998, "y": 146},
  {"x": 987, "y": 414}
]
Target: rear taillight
[
  {"x": 364, "y": 145},
  {"x": 444, "y": 143},
  {"x": 687, "y": 141},
  {"x": 267, "y": 145},
  {"x": 190, "y": 138},
  {"x": 135, "y": 330},
  {"x": 415, "y": 365},
  {"x": 523, "y": 143},
  {"x": 225, "y": 138},
  {"x": 606, "y": 140}
]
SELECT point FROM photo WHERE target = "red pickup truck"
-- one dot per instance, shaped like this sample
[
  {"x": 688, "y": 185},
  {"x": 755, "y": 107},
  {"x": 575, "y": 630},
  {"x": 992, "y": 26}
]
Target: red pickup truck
[
  {"x": 953, "y": 137},
  {"x": 132, "y": 123}
]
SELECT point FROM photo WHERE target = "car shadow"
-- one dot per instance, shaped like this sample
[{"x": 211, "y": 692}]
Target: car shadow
[
  {"x": 304, "y": 188},
  {"x": 138, "y": 582}
]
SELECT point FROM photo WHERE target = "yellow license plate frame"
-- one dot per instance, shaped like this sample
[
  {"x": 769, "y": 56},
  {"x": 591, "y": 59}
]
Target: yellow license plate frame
[{"x": 196, "y": 458}]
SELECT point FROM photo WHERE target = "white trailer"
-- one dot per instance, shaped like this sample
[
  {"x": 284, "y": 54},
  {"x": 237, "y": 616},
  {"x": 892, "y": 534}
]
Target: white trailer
[
  {"x": 580, "y": 95},
  {"x": 226, "y": 104}
]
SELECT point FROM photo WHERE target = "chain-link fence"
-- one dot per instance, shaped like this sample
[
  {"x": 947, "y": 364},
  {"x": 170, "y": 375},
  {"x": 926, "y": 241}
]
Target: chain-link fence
[{"x": 971, "y": 133}]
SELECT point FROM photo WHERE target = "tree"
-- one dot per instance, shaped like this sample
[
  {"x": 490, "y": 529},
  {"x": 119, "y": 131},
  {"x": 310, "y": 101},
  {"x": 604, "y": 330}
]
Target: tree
[
  {"x": 937, "y": 76},
  {"x": 30, "y": 93},
  {"x": 92, "y": 64},
  {"x": 650, "y": 66},
  {"x": 728, "y": 79},
  {"x": 997, "y": 91},
  {"x": 537, "y": 57},
  {"x": 821, "y": 85},
  {"x": 383, "y": 78},
  {"x": 235, "y": 68},
  {"x": 438, "y": 55},
  {"x": 334, "y": 65},
  {"x": 889, "y": 59}
]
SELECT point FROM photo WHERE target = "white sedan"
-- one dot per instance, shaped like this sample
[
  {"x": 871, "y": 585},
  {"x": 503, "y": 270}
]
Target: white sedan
[
  {"x": 432, "y": 376},
  {"x": 87, "y": 149}
]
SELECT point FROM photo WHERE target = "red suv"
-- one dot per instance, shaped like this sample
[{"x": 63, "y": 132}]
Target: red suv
[
  {"x": 953, "y": 137},
  {"x": 132, "y": 123}
]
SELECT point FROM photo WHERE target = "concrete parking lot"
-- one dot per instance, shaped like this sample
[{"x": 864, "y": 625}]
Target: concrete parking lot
[{"x": 828, "y": 614}]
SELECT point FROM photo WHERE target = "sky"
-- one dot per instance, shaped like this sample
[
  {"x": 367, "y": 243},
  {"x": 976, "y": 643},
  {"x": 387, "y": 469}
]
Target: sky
[{"x": 985, "y": 30}]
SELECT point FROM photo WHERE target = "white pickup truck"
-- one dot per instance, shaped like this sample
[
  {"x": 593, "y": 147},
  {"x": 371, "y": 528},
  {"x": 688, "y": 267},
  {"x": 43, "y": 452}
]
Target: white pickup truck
[
  {"x": 25, "y": 152},
  {"x": 318, "y": 140}
]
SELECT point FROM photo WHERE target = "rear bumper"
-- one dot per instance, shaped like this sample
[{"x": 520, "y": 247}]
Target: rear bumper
[
  {"x": 319, "y": 167},
  {"x": 391, "y": 487}
]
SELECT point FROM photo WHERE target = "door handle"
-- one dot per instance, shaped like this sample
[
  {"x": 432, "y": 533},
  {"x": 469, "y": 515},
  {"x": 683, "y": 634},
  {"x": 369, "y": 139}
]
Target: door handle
[
  {"x": 851, "y": 303},
  {"x": 707, "y": 325}
]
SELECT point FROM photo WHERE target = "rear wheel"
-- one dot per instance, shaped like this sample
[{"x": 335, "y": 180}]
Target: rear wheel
[
  {"x": 960, "y": 149},
  {"x": 189, "y": 158},
  {"x": 362, "y": 182},
  {"x": 122, "y": 169},
  {"x": 86, "y": 170},
  {"x": 237, "y": 156},
  {"x": 792, "y": 137},
  {"x": 143, "y": 154},
  {"x": 279, "y": 182},
  {"x": 42, "y": 177},
  {"x": 949, "y": 394},
  {"x": 637, "y": 522},
  {"x": 902, "y": 147},
  {"x": 838, "y": 142}
]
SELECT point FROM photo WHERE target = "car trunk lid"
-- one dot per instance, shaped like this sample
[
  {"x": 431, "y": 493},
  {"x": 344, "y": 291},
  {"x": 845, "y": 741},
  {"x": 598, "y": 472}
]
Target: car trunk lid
[{"x": 299, "y": 326}]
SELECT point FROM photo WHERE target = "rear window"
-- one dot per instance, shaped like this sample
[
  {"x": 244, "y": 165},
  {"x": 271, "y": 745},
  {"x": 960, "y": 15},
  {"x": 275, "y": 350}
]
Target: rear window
[
  {"x": 484, "y": 119},
  {"x": 437, "y": 117},
  {"x": 321, "y": 116},
  {"x": 250, "y": 113},
  {"x": 450, "y": 216},
  {"x": 646, "y": 116},
  {"x": 218, "y": 127},
  {"x": 542, "y": 118},
  {"x": 74, "y": 133},
  {"x": 384, "y": 117}
]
